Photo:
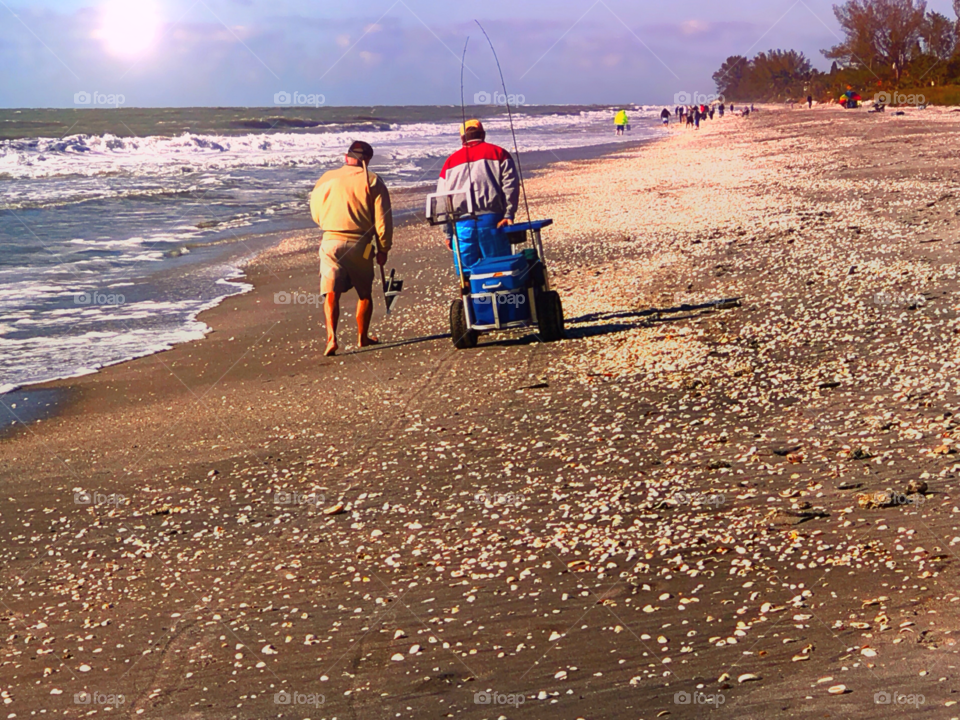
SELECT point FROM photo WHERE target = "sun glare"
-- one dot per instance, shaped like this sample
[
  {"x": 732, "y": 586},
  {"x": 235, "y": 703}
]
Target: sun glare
[{"x": 129, "y": 27}]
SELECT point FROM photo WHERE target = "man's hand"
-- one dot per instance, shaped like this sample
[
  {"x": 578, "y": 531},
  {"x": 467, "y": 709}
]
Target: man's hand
[
  {"x": 504, "y": 223},
  {"x": 449, "y": 243},
  {"x": 381, "y": 258}
]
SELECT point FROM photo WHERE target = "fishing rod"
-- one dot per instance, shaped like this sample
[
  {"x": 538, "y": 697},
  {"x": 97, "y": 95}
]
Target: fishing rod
[
  {"x": 506, "y": 100},
  {"x": 463, "y": 111},
  {"x": 455, "y": 239},
  {"x": 463, "y": 114},
  {"x": 463, "y": 62}
]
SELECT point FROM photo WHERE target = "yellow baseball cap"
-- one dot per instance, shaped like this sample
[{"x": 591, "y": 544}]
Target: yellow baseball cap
[{"x": 471, "y": 125}]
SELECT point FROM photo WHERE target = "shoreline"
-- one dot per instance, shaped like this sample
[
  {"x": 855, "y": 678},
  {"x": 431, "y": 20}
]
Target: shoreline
[{"x": 39, "y": 401}]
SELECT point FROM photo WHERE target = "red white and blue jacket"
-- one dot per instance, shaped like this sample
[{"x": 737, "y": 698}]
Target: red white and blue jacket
[{"x": 489, "y": 172}]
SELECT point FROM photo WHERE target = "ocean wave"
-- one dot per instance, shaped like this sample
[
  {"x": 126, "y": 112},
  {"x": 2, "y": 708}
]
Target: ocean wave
[
  {"x": 96, "y": 155},
  {"x": 300, "y": 123},
  {"x": 60, "y": 196},
  {"x": 45, "y": 357}
]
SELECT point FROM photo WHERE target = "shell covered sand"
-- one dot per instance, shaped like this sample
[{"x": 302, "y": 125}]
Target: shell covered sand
[{"x": 756, "y": 502}]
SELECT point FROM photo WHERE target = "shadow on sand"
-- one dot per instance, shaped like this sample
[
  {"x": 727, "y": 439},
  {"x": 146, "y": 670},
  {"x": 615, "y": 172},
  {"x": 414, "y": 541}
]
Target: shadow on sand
[{"x": 586, "y": 326}]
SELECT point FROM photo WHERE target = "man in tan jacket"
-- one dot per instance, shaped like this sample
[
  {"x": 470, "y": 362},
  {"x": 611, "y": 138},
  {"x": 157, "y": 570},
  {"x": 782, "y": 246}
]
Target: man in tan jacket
[{"x": 352, "y": 207}]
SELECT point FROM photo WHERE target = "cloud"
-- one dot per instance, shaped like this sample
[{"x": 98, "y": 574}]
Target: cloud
[
  {"x": 694, "y": 27},
  {"x": 199, "y": 61}
]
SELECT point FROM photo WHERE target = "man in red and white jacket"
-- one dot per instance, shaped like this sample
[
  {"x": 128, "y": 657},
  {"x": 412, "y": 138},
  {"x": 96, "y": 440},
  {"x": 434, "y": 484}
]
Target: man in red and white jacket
[{"x": 488, "y": 171}]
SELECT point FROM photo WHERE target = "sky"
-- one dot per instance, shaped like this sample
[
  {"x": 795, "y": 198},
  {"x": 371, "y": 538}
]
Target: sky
[{"x": 183, "y": 53}]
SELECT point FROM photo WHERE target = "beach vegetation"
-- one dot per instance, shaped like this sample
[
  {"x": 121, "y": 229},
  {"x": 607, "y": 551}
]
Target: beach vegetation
[{"x": 885, "y": 46}]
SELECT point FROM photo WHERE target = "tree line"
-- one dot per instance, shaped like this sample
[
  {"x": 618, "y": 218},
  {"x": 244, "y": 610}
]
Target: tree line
[{"x": 886, "y": 44}]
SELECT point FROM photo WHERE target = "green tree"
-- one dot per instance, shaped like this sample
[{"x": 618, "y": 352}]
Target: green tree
[
  {"x": 730, "y": 75},
  {"x": 939, "y": 36},
  {"x": 771, "y": 75},
  {"x": 858, "y": 21},
  {"x": 879, "y": 34},
  {"x": 780, "y": 74}
]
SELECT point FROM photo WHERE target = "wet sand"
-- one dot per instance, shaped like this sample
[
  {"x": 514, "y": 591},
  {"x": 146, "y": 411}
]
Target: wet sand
[{"x": 679, "y": 498}]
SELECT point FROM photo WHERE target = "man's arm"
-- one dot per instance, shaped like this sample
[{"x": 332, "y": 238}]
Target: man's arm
[
  {"x": 383, "y": 215},
  {"x": 316, "y": 203},
  {"x": 442, "y": 188},
  {"x": 510, "y": 183}
]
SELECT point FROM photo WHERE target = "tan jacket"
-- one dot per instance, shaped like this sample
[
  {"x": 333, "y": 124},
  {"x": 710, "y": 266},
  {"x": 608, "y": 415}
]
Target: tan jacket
[{"x": 344, "y": 205}]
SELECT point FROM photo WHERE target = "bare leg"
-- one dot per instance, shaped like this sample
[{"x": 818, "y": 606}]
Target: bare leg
[
  {"x": 331, "y": 310},
  {"x": 364, "y": 316}
]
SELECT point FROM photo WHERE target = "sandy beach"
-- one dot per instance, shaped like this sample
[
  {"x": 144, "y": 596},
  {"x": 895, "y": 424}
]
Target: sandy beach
[{"x": 731, "y": 490}]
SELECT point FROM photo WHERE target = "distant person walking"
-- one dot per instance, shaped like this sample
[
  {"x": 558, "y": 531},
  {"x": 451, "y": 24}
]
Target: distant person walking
[
  {"x": 620, "y": 120},
  {"x": 352, "y": 207},
  {"x": 810, "y": 101},
  {"x": 721, "y": 109},
  {"x": 665, "y": 116}
]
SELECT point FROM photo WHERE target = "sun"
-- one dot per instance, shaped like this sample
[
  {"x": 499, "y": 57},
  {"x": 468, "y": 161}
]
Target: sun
[{"x": 129, "y": 28}]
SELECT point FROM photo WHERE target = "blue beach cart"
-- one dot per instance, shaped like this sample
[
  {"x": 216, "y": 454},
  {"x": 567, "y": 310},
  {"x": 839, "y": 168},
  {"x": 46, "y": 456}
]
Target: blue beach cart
[{"x": 499, "y": 293}]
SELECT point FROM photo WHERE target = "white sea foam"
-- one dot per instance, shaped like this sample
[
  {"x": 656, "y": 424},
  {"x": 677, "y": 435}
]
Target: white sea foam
[
  {"x": 94, "y": 155},
  {"x": 49, "y": 355}
]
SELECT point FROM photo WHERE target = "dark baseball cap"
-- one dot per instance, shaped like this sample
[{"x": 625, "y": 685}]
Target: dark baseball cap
[{"x": 359, "y": 150}]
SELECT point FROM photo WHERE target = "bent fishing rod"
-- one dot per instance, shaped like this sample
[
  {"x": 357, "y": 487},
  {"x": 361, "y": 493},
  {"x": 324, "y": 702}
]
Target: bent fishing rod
[{"x": 506, "y": 100}]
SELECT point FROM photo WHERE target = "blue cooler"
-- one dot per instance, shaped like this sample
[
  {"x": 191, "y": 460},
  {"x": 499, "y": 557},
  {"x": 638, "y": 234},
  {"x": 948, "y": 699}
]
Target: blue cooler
[{"x": 508, "y": 275}]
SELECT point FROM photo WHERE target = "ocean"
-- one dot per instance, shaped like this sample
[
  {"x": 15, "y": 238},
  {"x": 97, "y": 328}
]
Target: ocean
[{"x": 118, "y": 227}]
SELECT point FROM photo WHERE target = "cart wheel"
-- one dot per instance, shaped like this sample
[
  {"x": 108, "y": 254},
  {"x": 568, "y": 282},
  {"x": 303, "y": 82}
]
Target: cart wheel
[
  {"x": 463, "y": 338},
  {"x": 550, "y": 316}
]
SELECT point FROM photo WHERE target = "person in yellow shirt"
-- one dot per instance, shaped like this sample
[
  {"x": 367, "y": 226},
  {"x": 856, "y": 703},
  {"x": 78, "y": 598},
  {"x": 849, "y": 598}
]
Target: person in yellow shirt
[
  {"x": 620, "y": 120},
  {"x": 352, "y": 207}
]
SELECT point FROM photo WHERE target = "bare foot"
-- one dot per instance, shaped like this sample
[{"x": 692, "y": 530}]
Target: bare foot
[
  {"x": 367, "y": 342},
  {"x": 332, "y": 348}
]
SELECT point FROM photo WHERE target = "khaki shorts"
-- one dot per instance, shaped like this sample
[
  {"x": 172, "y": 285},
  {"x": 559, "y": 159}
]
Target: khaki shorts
[{"x": 343, "y": 267}]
